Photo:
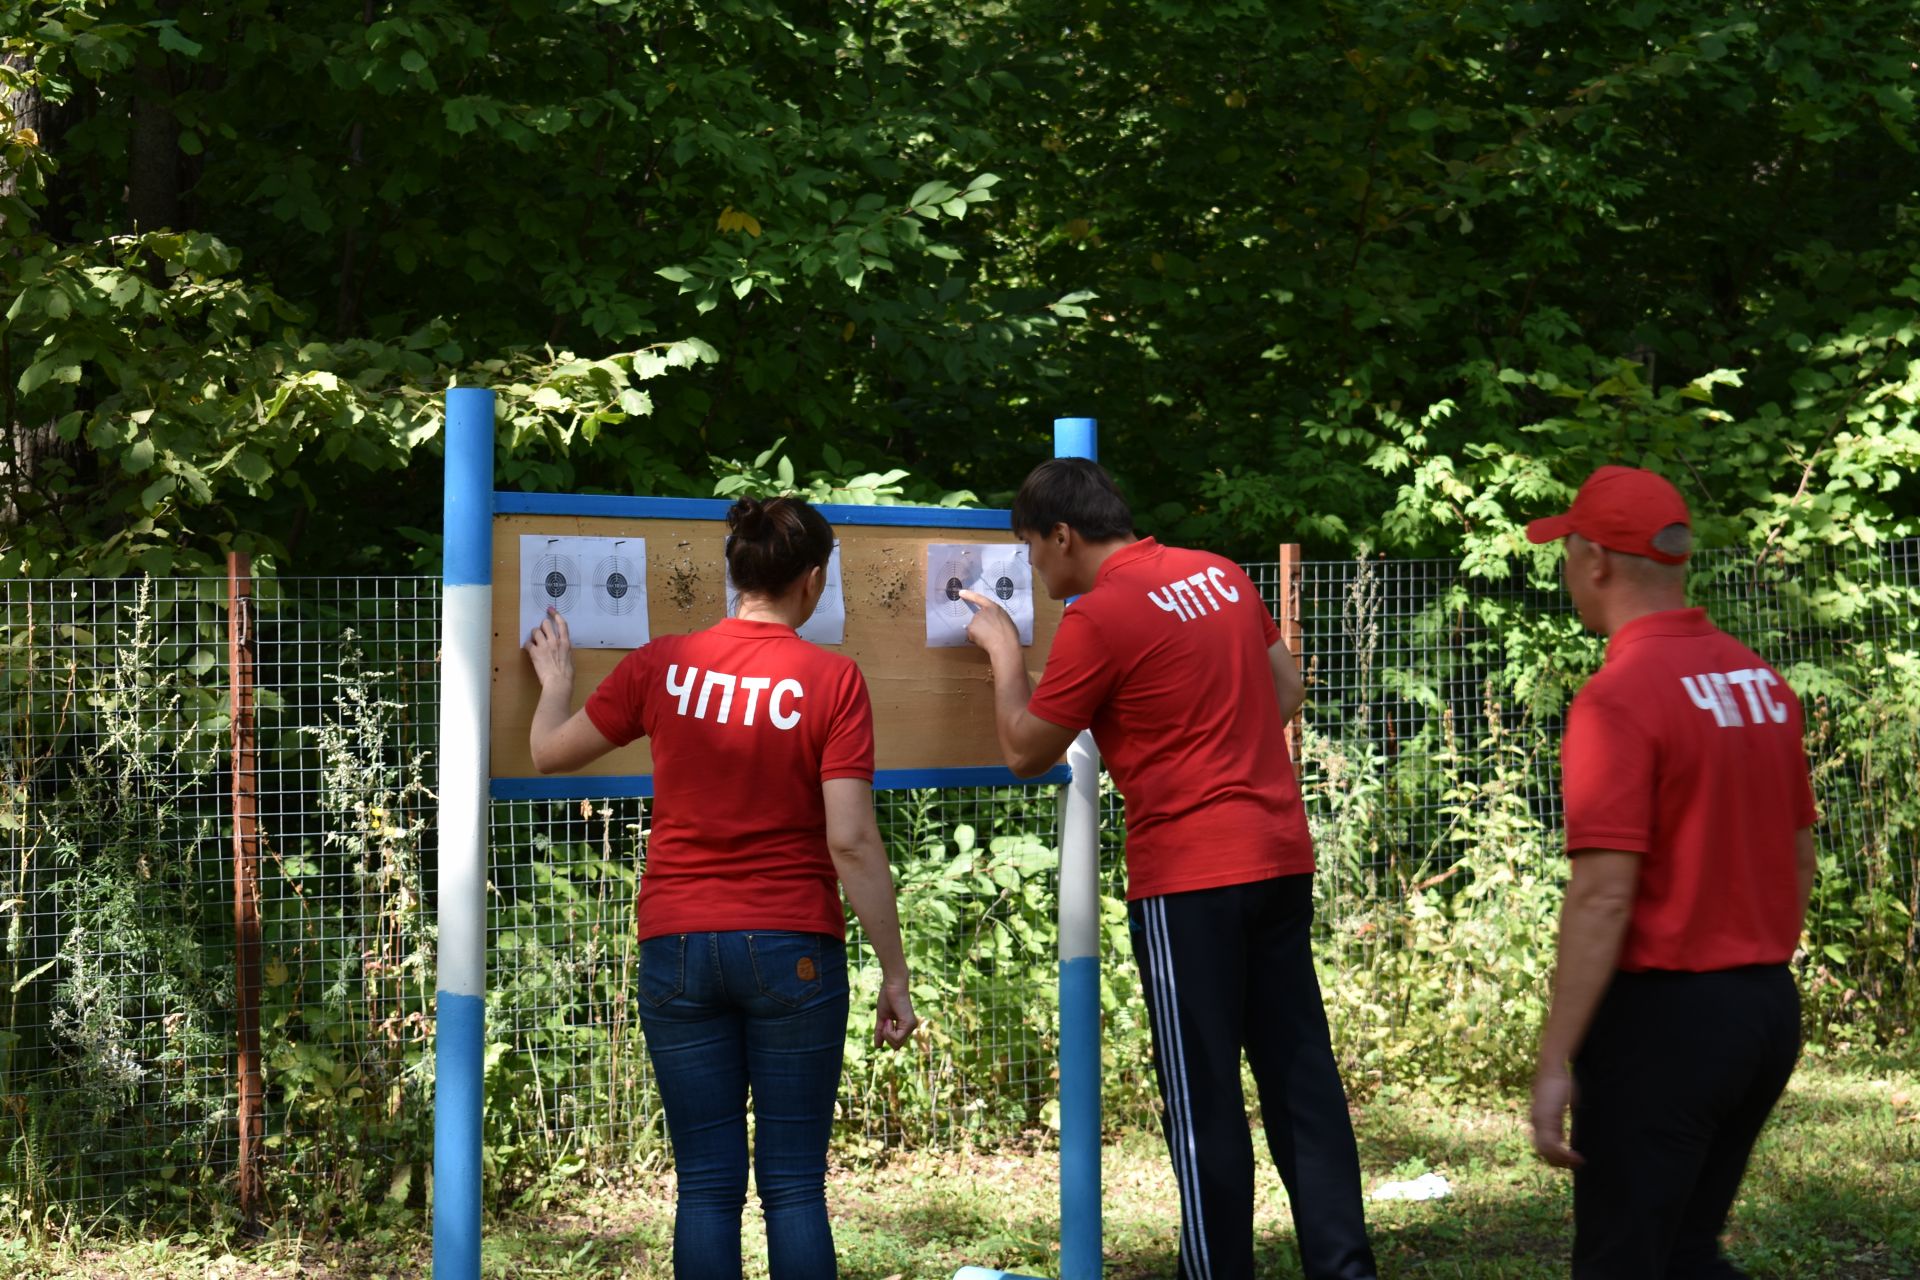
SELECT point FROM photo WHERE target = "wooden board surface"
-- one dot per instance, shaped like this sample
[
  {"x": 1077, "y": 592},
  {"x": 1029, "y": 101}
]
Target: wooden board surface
[{"x": 932, "y": 708}]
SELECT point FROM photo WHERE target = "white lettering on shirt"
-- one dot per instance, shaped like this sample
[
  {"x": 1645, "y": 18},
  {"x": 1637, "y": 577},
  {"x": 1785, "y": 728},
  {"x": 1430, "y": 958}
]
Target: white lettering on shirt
[
  {"x": 723, "y": 706},
  {"x": 1764, "y": 681},
  {"x": 1743, "y": 681},
  {"x": 682, "y": 692},
  {"x": 1713, "y": 692},
  {"x": 724, "y": 680},
  {"x": 1187, "y": 597},
  {"x": 1180, "y": 598},
  {"x": 753, "y": 685},
  {"x": 1724, "y": 691},
  {"x": 784, "y": 719},
  {"x": 1700, "y": 690},
  {"x": 1171, "y": 603}
]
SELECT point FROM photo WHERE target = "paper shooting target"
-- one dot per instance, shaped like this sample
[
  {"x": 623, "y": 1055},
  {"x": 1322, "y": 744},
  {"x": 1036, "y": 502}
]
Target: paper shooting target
[
  {"x": 957, "y": 575},
  {"x": 554, "y": 580},
  {"x": 618, "y": 588}
]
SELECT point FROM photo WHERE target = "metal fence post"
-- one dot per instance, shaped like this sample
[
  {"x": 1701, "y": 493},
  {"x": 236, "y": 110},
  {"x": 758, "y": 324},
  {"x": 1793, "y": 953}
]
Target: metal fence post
[
  {"x": 1290, "y": 631},
  {"x": 465, "y": 690},
  {"x": 246, "y": 881}
]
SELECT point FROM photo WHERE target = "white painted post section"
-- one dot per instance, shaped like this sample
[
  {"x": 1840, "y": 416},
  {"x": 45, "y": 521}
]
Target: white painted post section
[{"x": 466, "y": 631}]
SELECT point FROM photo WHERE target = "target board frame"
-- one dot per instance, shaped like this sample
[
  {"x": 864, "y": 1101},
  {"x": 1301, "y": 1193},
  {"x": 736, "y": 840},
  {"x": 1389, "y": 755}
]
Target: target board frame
[{"x": 932, "y": 707}]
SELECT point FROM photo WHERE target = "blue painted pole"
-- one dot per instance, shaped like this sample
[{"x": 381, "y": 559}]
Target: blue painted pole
[
  {"x": 1079, "y": 978},
  {"x": 1080, "y": 1227},
  {"x": 466, "y": 628}
]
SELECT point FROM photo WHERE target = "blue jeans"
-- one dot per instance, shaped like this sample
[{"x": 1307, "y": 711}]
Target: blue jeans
[{"x": 724, "y": 1013}]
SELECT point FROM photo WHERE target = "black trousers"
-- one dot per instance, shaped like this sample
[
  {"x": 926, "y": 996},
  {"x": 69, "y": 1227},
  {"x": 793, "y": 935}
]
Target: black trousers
[
  {"x": 1225, "y": 970},
  {"x": 1677, "y": 1075}
]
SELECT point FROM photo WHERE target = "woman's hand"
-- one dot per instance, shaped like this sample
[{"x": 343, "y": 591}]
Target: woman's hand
[
  {"x": 894, "y": 1020},
  {"x": 550, "y": 648}
]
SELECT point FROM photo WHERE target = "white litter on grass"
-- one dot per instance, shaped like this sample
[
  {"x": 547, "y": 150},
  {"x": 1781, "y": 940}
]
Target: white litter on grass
[{"x": 1428, "y": 1186}]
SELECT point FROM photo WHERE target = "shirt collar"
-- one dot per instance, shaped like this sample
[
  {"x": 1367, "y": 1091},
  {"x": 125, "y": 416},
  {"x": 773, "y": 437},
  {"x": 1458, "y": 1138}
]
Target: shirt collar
[
  {"x": 744, "y": 627},
  {"x": 1125, "y": 556},
  {"x": 1668, "y": 622}
]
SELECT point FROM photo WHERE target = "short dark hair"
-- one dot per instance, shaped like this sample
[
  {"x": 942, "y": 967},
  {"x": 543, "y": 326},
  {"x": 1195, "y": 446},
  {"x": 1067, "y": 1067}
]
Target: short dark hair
[
  {"x": 1075, "y": 492},
  {"x": 772, "y": 541}
]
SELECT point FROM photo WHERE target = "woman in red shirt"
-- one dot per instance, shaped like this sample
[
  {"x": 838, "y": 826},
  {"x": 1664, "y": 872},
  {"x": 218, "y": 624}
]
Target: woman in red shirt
[{"x": 763, "y": 779}]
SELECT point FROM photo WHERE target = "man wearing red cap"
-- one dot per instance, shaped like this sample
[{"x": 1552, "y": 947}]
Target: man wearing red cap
[{"x": 1689, "y": 820}]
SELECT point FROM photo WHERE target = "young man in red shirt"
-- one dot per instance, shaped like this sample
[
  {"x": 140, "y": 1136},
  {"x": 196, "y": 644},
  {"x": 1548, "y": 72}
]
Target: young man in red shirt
[
  {"x": 1172, "y": 660},
  {"x": 1689, "y": 821}
]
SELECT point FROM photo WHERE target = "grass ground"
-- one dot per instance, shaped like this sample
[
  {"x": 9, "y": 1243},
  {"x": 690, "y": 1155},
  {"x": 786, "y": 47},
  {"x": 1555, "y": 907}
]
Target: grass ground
[{"x": 1834, "y": 1191}]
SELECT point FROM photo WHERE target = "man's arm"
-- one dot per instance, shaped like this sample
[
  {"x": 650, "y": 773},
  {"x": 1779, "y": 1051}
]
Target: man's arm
[
  {"x": 1287, "y": 684},
  {"x": 1593, "y": 921},
  {"x": 1030, "y": 745}
]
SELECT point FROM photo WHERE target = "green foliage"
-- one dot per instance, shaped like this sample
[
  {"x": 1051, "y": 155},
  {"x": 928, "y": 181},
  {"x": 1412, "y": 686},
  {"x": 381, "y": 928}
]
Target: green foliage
[
  {"x": 348, "y": 967},
  {"x": 1438, "y": 961},
  {"x": 830, "y": 484},
  {"x": 118, "y": 1005},
  {"x": 1394, "y": 275}
]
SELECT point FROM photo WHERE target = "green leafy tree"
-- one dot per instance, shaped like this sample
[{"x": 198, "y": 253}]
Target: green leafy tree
[{"x": 1392, "y": 275}]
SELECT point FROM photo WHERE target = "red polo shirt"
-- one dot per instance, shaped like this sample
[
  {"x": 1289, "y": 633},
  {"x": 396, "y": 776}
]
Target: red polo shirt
[
  {"x": 1166, "y": 661},
  {"x": 747, "y": 720},
  {"x": 1687, "y": 749}
]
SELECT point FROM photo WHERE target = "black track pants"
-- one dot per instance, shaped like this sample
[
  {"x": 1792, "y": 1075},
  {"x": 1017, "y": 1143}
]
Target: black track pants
[
  {"x": 1677, "y": 1075},
  {"x": 1225, "y": 970}
]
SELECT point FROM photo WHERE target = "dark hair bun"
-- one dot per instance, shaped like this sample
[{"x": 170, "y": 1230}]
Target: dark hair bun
[
  {"x": 773, "y": 541},
  {"x": 748, "y": 519}
]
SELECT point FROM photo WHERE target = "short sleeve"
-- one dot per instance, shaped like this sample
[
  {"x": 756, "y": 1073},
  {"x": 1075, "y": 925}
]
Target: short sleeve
[
  {"x": 618, "y": 705},
  {"x": 1079, "y": 676},
  {"x": 1607, "y": 777},
  {"x": 849, "y": 747}
]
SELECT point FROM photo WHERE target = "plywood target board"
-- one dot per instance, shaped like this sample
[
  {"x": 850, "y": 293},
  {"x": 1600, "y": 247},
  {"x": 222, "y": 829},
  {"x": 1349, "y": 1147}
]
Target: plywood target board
[{"x": 932, "y": 707}]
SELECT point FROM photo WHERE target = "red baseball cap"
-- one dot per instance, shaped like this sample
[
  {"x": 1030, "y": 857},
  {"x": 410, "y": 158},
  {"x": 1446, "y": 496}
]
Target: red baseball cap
[{"x": 1621, "y": 508}]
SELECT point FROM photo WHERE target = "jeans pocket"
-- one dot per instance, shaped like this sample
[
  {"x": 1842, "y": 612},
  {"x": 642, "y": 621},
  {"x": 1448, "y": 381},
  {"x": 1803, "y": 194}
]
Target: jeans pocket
[
  {"x": 795, "y": 968},
  {"x": 663, "y": 968}
]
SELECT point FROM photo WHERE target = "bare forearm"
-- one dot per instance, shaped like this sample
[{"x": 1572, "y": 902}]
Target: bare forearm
[
  {"x": 1012, "y": 690},
  {"x": 1808, "y": 866},
  {"x": 554, "y": 710},
  {"x": 1590, "y": 935},
  {"x": 868, "y": 883}
]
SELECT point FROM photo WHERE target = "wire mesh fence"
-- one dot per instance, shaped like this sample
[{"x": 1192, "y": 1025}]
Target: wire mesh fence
[{"x": 1431, "y": 730}]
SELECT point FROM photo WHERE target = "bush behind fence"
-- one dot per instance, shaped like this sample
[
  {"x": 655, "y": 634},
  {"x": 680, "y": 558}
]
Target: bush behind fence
[{"x": 1428, "y": 757}]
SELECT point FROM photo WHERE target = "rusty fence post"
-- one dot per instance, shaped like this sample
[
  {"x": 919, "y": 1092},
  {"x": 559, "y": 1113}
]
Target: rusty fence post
[
  {"x": 246, "y": 881},
  {"x": 1290, "y": 632}
]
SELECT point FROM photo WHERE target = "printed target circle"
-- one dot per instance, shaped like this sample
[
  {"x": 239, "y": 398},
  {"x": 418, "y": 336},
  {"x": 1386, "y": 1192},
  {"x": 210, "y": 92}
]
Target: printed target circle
[
  {"x": 553, "y": 582},
  {"x": 616, "y": 586},
  {"x": 1003, "y": 587},
  {"x": 957, "y": 574}
]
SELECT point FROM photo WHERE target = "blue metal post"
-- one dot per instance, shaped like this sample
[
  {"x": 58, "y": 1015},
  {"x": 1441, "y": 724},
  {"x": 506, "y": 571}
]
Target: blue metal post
[
  {"x": 1080, "y": 1257},
  {"x": 1080, "y": 1227},
  {"x": 460, "y": 1000}
]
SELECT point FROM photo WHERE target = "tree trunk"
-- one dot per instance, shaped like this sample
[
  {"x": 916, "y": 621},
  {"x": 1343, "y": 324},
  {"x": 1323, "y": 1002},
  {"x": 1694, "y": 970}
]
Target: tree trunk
[
  {"x": 22, "y": 445},
  {"x": 153, "y": 163},
  {"x": 25, "y": 109}
]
